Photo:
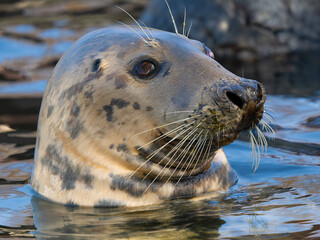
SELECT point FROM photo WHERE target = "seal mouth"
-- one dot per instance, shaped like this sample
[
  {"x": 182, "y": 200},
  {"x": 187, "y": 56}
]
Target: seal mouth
[
  {"x": 251, "y": 116},
  {"x": 184, "y": 150}
]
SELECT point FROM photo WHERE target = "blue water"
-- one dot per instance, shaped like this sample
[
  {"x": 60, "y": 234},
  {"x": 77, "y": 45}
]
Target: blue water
[
  {"x": 12, "y": 49},
  {"x": 25, "y": 87}
]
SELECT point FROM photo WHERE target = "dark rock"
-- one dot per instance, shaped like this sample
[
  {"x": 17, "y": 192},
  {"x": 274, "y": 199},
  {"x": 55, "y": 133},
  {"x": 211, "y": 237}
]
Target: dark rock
[
  {"x": 251, "y": 29},
  {"x": 276, "y": 42}
]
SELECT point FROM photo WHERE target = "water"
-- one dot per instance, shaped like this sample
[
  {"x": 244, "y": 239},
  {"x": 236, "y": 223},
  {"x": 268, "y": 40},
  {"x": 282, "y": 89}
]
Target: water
[{"x": 280, "y": 201}]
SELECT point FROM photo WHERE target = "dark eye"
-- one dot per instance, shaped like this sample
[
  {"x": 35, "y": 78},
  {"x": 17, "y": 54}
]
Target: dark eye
[
  {"x": 208, "y": 51},
  {"x": 145, "y": 69}
]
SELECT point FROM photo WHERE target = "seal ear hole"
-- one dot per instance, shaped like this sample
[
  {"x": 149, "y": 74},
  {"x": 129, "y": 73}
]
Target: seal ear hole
[{"x": 96, "y": 65}]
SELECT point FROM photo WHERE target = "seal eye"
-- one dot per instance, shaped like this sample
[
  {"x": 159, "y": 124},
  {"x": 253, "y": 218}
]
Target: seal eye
[
  {"x": 145, "y": 69},
  {"x": 208, "y": 51}
]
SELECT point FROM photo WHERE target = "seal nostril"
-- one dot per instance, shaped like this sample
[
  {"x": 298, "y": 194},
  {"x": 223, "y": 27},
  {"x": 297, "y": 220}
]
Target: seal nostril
[{"x": 235, "y": 99}]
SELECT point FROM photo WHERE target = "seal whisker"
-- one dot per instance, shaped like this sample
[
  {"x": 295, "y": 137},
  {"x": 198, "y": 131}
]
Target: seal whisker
[
  {"x": 149, "y": 157},
  {"x": 158, "y": 174},
  {"x": 269, "y": 117},
  {"x": 172, "y": 18},
  {"x": 179, "y": 112},
  {"x": 209, "y": 147},
  {"x": 134, "y": 21},
  {"x": 189, "y": 30},
  {"x": 269, "y": 108},
  {"x": 165, "y": 135},
  {"x": 195, "y": 135},
  {"x": 253, "y": 149},
  {"x": 168, "y": 154},
  {"x": 203, "y": 144},
  {"x": 188, "y": 135},
  {"x": 194, "y": 139},
  {"x": 193, "y": 155},
  {"x": 134, "y": 31},
  {"x": 176, "y": 149},
  {"x": 153, "y": 38},
  {"x": 267, "y": 127},
  {"x": 185, "y": 160},
  {"x": 256, "y": 159},
  {"x": 262, "y": 141},
  {"x": 185, "y": 119},
  {"x": 184, "y": 21},
  {"x": 185, "y": 151},
  {"x": 171, "y": 140}
]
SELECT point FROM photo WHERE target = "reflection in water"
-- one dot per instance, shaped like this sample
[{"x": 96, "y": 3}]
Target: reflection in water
[
  {"x": 176, "y": 220},
  {"x": 258, "y": 211}
]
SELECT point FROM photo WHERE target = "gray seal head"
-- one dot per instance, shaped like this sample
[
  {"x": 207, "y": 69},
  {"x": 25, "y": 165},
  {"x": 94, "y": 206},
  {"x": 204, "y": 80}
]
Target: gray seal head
[{"x": 128, "y": 121}]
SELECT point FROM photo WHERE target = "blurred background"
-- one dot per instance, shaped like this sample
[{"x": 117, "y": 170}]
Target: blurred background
[{"x": 276, "y": 42}]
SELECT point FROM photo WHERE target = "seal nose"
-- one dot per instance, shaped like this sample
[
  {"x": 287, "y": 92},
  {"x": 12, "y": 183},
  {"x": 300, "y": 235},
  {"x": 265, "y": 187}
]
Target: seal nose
[{"x": 249, "y": 91}]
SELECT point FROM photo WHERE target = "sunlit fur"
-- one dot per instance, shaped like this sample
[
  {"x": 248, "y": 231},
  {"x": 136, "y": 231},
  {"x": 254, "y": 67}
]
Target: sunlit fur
[{"x": 259, "y": 146}]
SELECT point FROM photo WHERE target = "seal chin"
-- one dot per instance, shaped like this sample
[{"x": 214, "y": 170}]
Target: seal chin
[{"x": 219, "y": 176}]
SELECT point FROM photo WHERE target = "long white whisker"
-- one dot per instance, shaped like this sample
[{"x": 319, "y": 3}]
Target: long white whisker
[
  {"x": 189, "y": 29},
  {"x": 267, "y": 127},
  {"x": 156, "y": 151},
  {"x": 182, "y": 168},
  {"x": 262, "y": 140},
  {"x": 168, "y": 124},
  {"x": 134, "y": 31},
  {"x": 253, "y": 149},
  {"x": 203, "y": 144},
  {"x": 193, "y": 155},
  {"x": 269, "y": 108},
  {"x": 134, "y": 21},
  {"x": 269, "y": 117},
  {"x": 166, "y": 134},
  {"x": 164, "y": 158},
  {"x": 184, "y": 21},
  {"x": 153, "y": 38},
  {"x": 179, "y": 112},
  {"x": 161, "y": 170},
  {"x": 210, "y": 146},
  {"x": 172, "y": 18},
  {"x": 162, "y": 147},
  {"x": 176, "y": 149},
  {"x": 257, "y": 160},
  {"x": 185, "y": 150}
]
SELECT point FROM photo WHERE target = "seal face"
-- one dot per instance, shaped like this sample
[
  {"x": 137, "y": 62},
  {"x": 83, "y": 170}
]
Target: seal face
[{"x": 127, "y": 121}]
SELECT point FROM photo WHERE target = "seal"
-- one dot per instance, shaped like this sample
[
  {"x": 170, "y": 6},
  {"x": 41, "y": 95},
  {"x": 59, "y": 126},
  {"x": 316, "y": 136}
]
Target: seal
[{"x": 137, "y": 116}]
